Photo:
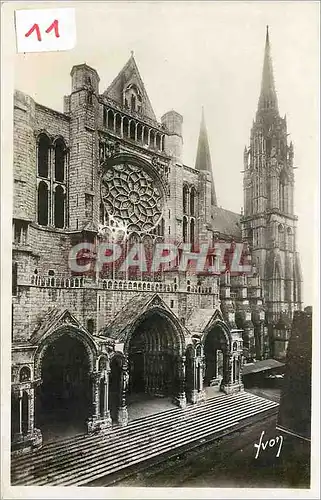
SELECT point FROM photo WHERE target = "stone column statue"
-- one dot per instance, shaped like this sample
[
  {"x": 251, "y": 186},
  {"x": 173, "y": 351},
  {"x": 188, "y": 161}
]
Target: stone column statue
[{"x": 122, "y": 411}]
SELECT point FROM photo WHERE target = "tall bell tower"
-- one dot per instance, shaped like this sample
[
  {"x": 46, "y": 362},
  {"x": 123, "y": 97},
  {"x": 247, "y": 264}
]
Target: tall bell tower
[{"x": 269, "y": 223}]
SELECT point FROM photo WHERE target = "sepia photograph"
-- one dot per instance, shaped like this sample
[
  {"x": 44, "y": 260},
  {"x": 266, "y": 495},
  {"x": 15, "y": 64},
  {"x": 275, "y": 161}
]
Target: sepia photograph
[{"x": 159, "y": 249}]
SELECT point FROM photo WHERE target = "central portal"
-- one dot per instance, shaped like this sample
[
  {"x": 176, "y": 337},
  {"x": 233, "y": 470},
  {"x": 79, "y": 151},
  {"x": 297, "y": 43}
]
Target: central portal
[
  {"x": 153, "y": 355},
  {"x": 63, "y": 398}
]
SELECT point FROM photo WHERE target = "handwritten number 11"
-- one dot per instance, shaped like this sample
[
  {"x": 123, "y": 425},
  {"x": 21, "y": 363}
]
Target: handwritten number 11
[{"x": 35, "y": 27}]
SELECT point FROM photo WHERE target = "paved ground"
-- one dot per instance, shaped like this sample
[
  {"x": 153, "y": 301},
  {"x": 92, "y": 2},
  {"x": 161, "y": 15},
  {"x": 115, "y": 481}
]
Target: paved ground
[{"x": 230, "y": 462}]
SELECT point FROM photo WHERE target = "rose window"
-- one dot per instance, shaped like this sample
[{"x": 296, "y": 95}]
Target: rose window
[{"x": 131, "y": 197}]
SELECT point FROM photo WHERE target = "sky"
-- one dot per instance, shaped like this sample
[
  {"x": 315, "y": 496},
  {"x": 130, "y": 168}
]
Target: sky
[{"x": 194, "y": 54}]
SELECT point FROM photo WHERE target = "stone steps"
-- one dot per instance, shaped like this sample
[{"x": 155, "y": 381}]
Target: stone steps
[{"x": 83, "y": 459}]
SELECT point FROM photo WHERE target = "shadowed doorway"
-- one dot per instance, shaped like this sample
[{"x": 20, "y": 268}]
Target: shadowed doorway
[{"x": 63, "y": 399}]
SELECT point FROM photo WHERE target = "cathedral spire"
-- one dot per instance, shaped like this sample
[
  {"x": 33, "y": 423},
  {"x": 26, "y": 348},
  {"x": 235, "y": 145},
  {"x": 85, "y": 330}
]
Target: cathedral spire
[
  {"x": 203, "y": 157},
  {"x": 268, "y": 98}
]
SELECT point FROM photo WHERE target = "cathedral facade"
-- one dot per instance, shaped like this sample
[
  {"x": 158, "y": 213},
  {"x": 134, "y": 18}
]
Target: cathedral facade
[{"x": 105, "y": 169}]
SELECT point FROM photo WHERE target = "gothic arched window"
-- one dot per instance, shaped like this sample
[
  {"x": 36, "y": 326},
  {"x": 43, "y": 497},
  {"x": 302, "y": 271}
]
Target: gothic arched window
[
  {"x": 43, "y": 155},
  {"x": 192, "y": 201},
  {"x": 59, "y": 207},
  {"x": 184, "y": 229},
  {"x": 282, "y": 192},
  {"x": 192, "y": 232},
  {"x": 277, "y": 284},
  {"x": 185, "y": 199},
  {"x": 59, "y": 160},
  {"x": 133, "y": 103},
  {"x": 43, "y": 199},
  {"x": 110, "y": 119},
  {"x": 281, "y": 235}
]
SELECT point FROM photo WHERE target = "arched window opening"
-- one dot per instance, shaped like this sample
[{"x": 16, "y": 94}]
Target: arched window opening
[
  {"x": 139, "y": 133},
  {"x": 118, "y": 124},
  {"x": 192, "y": 229},
  {"x": 282, "y": 193},
  {"x": 43, "y": 155},
  {"x": 185, "y": 196},
  {"x": 59, "y": 161},
  {"x": 184, "y": 229},
  {"x": 133, "y": 103},
  {"x": 110, "y": 119},
  {"x": 145, "y": 137},
  {"x": 277, "y": 284},
  {"x": 192, "y": 201},
  {"x": 125, "y": 127},
  {"x": 104, "y": 117},
  {"x": 132, "y": 129},
  {"x": 51, "y": 272},
  {"x": 59, "y": 207},
  {"x": 25, "y": 374},
  {"x": 158, "y": 146},
  {"x": 43, "y": 199},
  {"x": 14, "y": 278},
  {"x": 90, "y": 325},
  {"x": 152, "y": 138},
  {"x": 281, "y": 235}
]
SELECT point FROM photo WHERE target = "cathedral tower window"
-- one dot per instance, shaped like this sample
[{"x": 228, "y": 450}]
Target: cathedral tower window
[
  {"x": 192, "y": 232},
  {"x": 59, "y": 207},
  {"x": 44, "y": 145},
  {"x": 132, "y": 129},
  {"x": 60, "y": 160},
  {"x": 192, "y": 201},
  {"x": 51, "y": 205},
  {"x": 14, "y": 278},
  {"x": 282, "y": 192},
  {"x": 125, "y": 127},
  {"x": 43, "y": 204},
  {"x": 118, "y": 123},
  {"x": 281, "y": 236},
  {"x": 152, "y": 138},
  {"x": 185, "y": 230},
  {"x": 289, "y": 239},
  {"x": 104, "y": 117},
  {"x": 145, "y": 136},
  {"x": 133, "y": 103},
  {"x": 185, "y": 199},
  {"x": 158, "y": 141},
  {"x": 110, "y": 119}
]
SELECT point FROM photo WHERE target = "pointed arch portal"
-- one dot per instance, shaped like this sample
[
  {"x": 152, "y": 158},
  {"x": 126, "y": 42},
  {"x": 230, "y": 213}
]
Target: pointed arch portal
[
  {"x": 217, "y": 347},
  {"x": 154, "y": 353},
  {"x": 64, "y": 396}
]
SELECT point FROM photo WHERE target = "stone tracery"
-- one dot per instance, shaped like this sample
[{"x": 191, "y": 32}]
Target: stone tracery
[{"x": 131, "y": 196}]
